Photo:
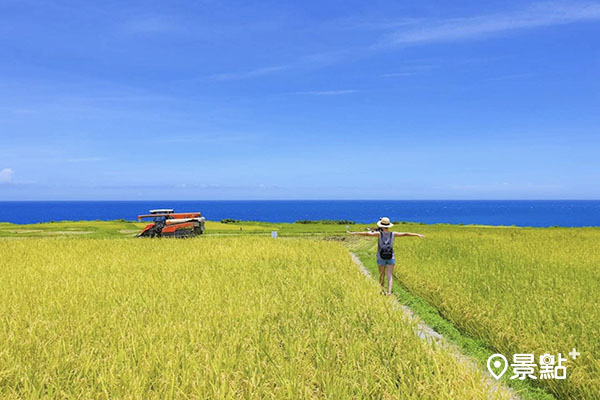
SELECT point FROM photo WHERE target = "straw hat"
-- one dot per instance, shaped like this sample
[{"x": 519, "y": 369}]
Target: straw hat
[{"x": 384, "y": 222}]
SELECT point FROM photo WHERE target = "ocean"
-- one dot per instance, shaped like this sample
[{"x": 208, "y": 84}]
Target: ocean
[{"x": 489, "y": 212}]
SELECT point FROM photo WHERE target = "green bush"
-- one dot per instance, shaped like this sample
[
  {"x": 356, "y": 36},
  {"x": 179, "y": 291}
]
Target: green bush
[
  {"x": 230, "y": 221},
  {"x": 326, "y": 221}
]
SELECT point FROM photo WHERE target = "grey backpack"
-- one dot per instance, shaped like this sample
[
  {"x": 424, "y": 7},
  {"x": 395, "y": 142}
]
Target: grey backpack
[{"x": 386, "y": 245}]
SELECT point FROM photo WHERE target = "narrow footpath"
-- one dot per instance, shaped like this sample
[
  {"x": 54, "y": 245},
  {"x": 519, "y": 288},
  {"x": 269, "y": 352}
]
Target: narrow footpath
[{"x": 427, "y": 333}]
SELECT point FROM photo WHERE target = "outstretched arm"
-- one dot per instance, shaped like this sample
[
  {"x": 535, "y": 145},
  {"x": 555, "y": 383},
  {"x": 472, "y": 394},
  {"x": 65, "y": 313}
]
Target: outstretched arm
[
  {"x": 408, "y": 234},
  {"x": 363, "y": 233}
]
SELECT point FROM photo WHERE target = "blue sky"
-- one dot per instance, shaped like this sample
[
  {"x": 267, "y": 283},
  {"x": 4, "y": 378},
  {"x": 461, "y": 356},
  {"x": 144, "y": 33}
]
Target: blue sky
[{"x": 299, "y": 100}]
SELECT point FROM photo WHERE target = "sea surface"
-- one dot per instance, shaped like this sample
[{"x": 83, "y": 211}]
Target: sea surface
[{"x": 488, "y": 212}]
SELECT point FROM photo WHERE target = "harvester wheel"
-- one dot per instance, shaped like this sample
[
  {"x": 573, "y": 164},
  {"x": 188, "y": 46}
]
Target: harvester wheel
[{"x": 182, "y": 233}]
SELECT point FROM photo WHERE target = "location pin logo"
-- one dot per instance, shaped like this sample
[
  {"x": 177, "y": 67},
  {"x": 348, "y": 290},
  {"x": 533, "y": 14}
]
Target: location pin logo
[{"x": 497, "y": 365}]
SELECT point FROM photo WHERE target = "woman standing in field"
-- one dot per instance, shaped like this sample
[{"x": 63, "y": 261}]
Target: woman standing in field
[{"x": 386, "y": 259}]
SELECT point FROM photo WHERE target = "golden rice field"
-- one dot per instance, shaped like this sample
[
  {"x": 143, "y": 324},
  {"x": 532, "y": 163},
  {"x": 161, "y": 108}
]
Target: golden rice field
[
  {"x": 520, "y": 290},
  {"x": 236, "y": 317}
]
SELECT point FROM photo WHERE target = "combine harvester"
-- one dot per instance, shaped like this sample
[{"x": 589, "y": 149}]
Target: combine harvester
[{"x": 166, "y": 223}]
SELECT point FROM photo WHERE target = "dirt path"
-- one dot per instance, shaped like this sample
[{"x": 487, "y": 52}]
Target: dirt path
[{"x": 427, "y": 333}]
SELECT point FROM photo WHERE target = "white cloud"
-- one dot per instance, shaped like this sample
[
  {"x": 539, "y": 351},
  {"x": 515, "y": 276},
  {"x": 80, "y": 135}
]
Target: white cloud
[
  {"x": 403, "y": 32},
  {"x": 6, "y": 175},
  {"x": 538, "y": 15}
]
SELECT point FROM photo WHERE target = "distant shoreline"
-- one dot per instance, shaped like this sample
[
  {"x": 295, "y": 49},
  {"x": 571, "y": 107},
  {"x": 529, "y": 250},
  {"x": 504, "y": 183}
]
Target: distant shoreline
[{"x": 341, "y": 226}]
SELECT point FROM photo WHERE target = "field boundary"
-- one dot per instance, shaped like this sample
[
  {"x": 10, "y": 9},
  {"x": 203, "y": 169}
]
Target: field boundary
[{"x": 428, "y": 334}]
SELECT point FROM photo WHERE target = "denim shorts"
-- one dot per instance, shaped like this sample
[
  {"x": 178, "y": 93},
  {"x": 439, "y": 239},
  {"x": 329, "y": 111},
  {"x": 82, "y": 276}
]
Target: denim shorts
[{"x": 383, "y": 262}]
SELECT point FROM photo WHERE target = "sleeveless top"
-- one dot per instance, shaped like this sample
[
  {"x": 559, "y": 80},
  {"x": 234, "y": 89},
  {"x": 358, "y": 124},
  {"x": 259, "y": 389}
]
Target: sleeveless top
[{"x": 385, "y": 237}]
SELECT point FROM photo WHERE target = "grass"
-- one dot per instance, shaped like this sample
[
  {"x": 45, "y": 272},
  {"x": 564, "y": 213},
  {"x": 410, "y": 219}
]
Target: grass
[
  {"x": 125, "y": 229},
  {"x": 510, "y": 290},
  {"x": 488, "y": 289},
  {"x": 214, "y": 317},
  {"x": 476, "y": 349}
]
